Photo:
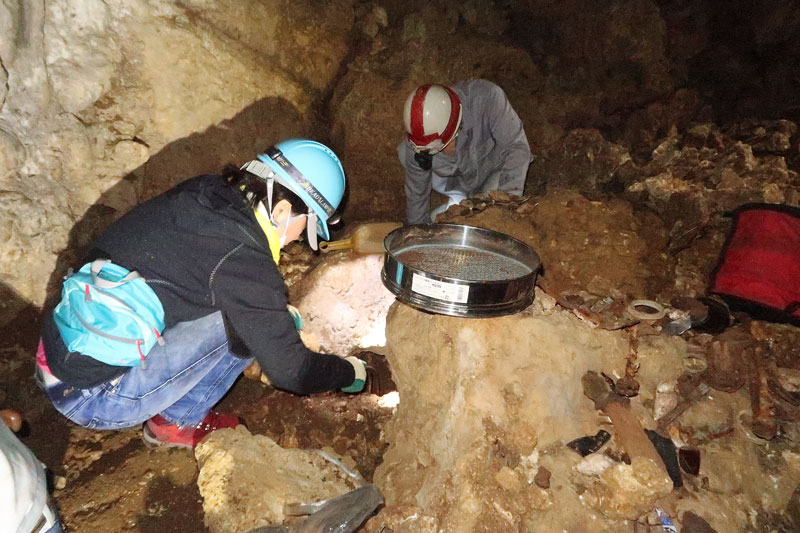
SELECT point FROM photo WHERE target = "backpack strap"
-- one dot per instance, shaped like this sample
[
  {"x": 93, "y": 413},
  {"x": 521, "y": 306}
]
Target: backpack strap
[{"x": 97, "y": 281}]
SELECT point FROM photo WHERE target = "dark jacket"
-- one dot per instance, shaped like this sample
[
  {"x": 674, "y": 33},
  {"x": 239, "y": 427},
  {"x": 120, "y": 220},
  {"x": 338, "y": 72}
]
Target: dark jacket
[{"x": 201, "y": 249}]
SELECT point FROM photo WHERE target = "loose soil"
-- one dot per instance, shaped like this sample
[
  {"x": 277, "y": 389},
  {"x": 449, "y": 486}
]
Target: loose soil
[{"x": 112, "y": 481}]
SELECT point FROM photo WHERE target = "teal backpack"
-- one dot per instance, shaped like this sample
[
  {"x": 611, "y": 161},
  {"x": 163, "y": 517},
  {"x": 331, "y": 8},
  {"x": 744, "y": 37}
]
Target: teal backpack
[{"x": 110, "y": 314}]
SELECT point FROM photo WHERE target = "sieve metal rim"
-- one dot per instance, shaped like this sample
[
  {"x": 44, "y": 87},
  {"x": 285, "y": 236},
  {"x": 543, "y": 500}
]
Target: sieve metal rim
[
  {"x": 487, "y": 298},
  {"x": 527, "y": 256}
]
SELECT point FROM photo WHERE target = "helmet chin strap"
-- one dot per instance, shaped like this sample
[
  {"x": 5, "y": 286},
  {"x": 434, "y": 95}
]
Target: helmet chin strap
[
  {"x": 311, "y": 225},
  {"x": 270, "y": 185},
  {"x": 311, "y": 230},
  {"x": 424, "y": 159},
  {"x": 262, "y": 209},
  {"x": 264, "y": 172}
]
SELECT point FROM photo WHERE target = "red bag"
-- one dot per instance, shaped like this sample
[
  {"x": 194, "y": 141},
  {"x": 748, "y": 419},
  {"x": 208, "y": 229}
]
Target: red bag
[{"x": 759, "y": 269}]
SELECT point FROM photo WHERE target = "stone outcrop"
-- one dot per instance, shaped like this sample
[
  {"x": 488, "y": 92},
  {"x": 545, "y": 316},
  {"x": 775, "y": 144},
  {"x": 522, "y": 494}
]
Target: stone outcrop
[
  {"x": 483, "y": 404},
  {"x": 487, "y": 405},
  {"x": 247, "y": 480},
  {"x": 344, "y": 303}
]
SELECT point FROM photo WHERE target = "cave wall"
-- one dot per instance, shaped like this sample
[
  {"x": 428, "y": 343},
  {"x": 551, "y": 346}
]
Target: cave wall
[{"x": 106, "y": 103}]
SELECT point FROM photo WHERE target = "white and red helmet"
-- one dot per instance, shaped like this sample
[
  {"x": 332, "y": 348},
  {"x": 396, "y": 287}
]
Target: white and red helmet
[{"x": 432, "y": 115}]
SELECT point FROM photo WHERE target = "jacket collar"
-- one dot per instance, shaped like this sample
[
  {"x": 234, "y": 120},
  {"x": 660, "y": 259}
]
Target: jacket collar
[{"x": 272, "y": 235}]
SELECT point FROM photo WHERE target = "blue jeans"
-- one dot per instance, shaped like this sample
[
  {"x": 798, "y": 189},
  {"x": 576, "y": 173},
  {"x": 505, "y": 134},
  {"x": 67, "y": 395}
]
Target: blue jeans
[{"x": 183, "y": 380}]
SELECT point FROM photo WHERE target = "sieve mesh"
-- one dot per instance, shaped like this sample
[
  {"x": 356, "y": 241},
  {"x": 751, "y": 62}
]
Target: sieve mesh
[{"x": 463, "y": 263}]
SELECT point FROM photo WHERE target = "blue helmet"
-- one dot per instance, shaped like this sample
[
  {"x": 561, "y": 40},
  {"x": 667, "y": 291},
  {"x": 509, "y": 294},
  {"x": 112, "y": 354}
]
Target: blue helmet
[{"x": 310, "y": 170}]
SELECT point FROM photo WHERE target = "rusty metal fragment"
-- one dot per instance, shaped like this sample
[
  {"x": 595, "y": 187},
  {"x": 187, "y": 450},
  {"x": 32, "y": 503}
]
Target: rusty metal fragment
[
  {"x": 727, "y": 360},
  {"x": 765, "y": 425}
]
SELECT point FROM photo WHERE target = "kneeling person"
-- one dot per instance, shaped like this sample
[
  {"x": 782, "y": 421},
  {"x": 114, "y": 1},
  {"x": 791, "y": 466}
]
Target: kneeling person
[
  {"x": 460, "y": 141},
  {"x": 208, "y": 249}
]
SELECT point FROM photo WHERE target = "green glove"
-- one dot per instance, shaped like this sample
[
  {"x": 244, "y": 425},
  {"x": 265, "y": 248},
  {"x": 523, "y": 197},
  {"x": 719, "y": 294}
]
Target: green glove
[
  {"x": 360, "y": 368},
  {"x": 296, "y": 318}
]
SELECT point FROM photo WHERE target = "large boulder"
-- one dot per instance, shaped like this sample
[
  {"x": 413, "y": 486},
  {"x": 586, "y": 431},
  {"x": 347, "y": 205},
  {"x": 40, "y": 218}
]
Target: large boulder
[
  {"x": 344, "y": 303},
  {"x": 483, "y": 404},
  {"x": 247, "y": 480}
]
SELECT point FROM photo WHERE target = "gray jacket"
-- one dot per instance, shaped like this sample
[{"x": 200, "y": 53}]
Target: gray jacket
[{"x": 492, "y": 152}]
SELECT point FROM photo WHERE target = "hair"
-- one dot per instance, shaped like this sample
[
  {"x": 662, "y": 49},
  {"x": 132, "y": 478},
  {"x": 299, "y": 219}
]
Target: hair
[{"x": 255, "y": 189}]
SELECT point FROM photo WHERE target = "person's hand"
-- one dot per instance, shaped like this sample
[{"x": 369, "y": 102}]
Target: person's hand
[
  {"x": 360, "y": 368},
  {"x": 13, "y": 419}
]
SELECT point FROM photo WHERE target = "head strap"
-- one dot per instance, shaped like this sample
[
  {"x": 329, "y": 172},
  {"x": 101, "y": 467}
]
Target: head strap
[
  {"x": 277, "y": 156},
  {"x": 263, "y": 171}
]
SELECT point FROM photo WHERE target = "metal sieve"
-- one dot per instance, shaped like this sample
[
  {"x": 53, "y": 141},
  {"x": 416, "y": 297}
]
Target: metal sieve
[{"x": 459, "y": 270}]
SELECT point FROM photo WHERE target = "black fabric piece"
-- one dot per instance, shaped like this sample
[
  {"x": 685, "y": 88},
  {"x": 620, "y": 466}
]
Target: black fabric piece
[
  {"x": 587, "y": 445},
  {"x": 424, "y": 160},
  {"x": 666, "y": 449},
  {"x": 758, "y": 311},
  {"x": 235, "y": 343},
  {"x": 717, "y": 319},
  {"x": 200, "y": 248}
]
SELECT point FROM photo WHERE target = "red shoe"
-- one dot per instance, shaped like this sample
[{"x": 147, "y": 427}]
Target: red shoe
[{"x": 160, "y": 432}]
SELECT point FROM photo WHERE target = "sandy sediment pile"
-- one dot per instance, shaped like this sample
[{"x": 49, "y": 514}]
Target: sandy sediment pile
[{"x": 487, "y": 407}]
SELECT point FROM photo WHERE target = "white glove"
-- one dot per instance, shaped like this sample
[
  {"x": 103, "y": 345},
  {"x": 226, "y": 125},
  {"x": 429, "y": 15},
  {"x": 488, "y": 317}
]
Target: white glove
[{"x": 360, "y": 368}]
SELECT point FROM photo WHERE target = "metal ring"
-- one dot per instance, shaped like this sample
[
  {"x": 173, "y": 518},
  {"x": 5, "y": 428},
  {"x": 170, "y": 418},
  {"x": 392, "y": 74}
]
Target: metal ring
[{"x": 658, "y": 310}]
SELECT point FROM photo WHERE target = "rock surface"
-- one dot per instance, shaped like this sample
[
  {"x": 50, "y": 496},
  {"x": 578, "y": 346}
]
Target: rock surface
[
  {"x": 480, "y": 400},
  {"x": 628, "y": 491},
  {"x": 344, "y": 303},
  {"x": 549, "y": 67},
  {"x": 486, "y": 403},
  {"x": 246, "y": 480},
  {"x": 107, "y": 103}
]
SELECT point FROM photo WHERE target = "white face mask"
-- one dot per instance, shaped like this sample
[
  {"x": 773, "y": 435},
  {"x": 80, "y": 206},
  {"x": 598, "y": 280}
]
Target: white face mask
[{"x": 288, "y": 222}]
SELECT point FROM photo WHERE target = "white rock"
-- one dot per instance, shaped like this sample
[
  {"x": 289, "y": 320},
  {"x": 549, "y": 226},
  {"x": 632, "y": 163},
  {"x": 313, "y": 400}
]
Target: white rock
[
  {"x": 594, "y": 464},
  {"x": 81, "y": 52}
]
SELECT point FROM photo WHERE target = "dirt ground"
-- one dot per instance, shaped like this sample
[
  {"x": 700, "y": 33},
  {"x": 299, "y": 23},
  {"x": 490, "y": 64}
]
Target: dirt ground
[
  {"x": 598, "y": 253},
  {"x": 647, "y": 221},
  {"x": 112, "y": 481}
]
